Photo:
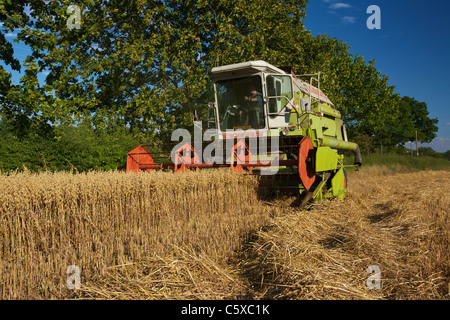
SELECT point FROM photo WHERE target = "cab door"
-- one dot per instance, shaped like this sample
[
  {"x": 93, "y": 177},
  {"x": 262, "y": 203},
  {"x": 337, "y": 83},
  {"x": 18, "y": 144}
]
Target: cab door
[{"x": 278, "y": 100}]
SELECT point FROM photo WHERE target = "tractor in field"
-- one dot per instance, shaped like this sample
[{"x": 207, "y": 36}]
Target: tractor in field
[{"x": 265, "y": 120}]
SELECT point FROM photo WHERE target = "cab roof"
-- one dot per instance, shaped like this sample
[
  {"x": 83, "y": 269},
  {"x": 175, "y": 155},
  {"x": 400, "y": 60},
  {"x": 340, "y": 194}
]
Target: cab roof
[
  {"x": 249, "y": 67},
  {"x": 237, "y": 69}
]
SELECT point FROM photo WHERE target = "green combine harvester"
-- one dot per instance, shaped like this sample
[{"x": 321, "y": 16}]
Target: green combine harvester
[{"x": 267, "y": 121}]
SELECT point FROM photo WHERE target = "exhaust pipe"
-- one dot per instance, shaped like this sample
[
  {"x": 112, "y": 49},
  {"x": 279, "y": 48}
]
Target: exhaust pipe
[{"x": 343, "y": 145}]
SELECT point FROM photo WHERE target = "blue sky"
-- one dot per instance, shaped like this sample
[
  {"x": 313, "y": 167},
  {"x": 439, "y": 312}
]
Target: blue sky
[{"x": 412, "y": 47}]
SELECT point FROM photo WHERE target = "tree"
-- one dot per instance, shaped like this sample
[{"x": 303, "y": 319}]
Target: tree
[
  {"x": 357, "y": 88},
  {"x": 447, "y": 155},
  {"x": 426, "y": 151},
  {"x": 144, "y": 64},
  {"x": 425, "y": 126},
  {"x": 367, "y": 101},
  {"x": 141, "y": 63}
]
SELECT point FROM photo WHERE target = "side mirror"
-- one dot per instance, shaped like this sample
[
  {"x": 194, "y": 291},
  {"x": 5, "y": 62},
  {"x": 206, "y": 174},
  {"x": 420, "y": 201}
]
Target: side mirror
[{"x": 305, "y": 104}]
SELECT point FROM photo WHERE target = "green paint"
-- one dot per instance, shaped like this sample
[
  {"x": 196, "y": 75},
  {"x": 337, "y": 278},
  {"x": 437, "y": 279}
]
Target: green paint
[{"x": 290, "y": 110}]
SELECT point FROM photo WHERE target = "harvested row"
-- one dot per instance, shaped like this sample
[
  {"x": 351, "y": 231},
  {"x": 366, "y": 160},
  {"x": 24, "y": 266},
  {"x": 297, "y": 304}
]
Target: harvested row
[{"x": 389, "y": 239}]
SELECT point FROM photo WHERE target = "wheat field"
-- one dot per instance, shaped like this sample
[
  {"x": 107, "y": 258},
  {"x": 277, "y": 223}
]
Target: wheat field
[{"x": 210, "y": 235}]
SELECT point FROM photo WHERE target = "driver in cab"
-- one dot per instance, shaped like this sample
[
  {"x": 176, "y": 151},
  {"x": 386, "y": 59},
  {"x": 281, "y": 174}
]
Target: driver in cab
[{"x": 255, "y": 105}]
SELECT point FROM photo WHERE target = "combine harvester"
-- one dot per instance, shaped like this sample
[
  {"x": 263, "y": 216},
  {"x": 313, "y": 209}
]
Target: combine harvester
[{"x": 257, "y": 103}]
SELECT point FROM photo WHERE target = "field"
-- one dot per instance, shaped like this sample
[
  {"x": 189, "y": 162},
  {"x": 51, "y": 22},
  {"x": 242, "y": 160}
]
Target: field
[{"x": 212, "y": 235}]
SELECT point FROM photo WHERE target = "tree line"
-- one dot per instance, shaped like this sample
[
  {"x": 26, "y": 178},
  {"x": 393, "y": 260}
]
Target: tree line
[{"x": 143, "y": 66}]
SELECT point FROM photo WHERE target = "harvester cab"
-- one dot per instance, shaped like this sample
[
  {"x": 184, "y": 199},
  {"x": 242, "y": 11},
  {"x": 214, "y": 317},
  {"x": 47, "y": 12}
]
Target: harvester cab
[
  {"x": 256, "y": 102},
  {"x": 252, "y": 95}
]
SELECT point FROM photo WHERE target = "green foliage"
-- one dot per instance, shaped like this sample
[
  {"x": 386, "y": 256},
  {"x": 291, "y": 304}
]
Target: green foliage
[
  {"x": 418, "y": 114},
  {"x": 86, "y": 148},
  {"x": 144, "y": 65},
  {"x": 412, "y": 163},
  {"x": 429, "y": 152},
  {"x": 446, "y": 155},
  {"x": 364, "y": 141},
  {"x": 79, "y": 148}
]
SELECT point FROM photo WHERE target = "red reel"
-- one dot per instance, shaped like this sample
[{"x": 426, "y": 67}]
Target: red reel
[{"x": 305, "y": 162}]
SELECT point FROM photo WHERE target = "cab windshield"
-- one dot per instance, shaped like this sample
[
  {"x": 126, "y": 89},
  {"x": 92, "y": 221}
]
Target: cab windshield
[{"x": 240, "y": 103}]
